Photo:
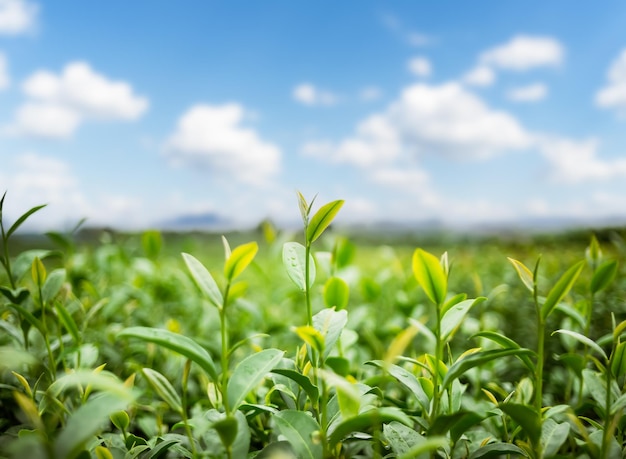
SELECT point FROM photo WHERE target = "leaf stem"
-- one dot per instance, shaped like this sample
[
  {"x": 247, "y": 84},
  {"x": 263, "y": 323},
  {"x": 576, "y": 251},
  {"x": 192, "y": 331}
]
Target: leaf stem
[{"x": 224, "y": 355}]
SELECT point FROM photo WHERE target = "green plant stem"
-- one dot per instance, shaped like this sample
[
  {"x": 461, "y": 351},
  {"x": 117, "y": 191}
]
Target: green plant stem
[
  {"x": 6, "y": 260},
  {"x": 183, "y": 413},
  {"x": 541, "y": 339},
  {"x": 224, "y": 356},
  {"x": 606, "y": 432},
  {"x": 52, "y": 363},
  {"x": 438, "y": 358},
  {"x": 307, "y": 293}
]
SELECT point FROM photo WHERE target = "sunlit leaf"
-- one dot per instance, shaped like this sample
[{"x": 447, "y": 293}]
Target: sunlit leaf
[
  {"x": 249, "y": 373},
  {"x": 294, "y": 255},
  {"x": 330, "y": 324},
  {"x": 586, "y": 341},
  {"x": 497, "y": 450},
  {"x": 365, "y": 421},
  {"x": 455, "y": 315},
  {"x": 22, "y": 219},
  {"x": 336, "y": 293},
  {"x": 430, "y": 275},
  {"x": 524, "y": 273},
  {"x": 204, "y": 280},
  {"x": 322, "y": 218},
  {"x": 561, "y": 288},
  {"x": 506, "y": 343},
  {"x": 299, "y": 427},
  {"x": 553, "y": 435},
  {"x": 239, "y": 259},
  {"x": 526, "y": 417},
  {"x": 175, "y": 342},
  {"x": 53, "y": 284},
  {"x": 407, "y": 379},
  {"x": 402, "y": 438},
  {"x": 163, "y": 388},
  {"x": 603, "y": 276}
]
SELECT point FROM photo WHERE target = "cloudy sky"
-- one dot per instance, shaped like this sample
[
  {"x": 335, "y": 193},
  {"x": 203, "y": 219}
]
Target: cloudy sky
[{"x": 135, "y": 113}]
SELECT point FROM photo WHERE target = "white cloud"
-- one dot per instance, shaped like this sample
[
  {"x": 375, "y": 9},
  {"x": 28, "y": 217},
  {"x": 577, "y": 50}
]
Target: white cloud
[
  {"x": 613, "y": 95},
  {"x": 420, "y": 66},
  {"x": 524, "y": 52},
  {"x": 444, "y": 120},
  {"x": 531, "y": 93},
  {"x": 411, "y": 37},
  {"x": 86, "y": 91},
  {"x": 58, "y": 104},
  {"x": 577, "y": 161},
  {"x": 4, "y": 73},
  {"x": 307, "y": 94},
  {"x": 480, "y": 76},
  {"x": 214, "y": 138},
  {"x": 17, "y": 16},
  {"x": 45, "y": 120}
]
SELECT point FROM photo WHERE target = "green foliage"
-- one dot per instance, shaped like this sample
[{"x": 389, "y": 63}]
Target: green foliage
[{"x": 111, "y": 349}]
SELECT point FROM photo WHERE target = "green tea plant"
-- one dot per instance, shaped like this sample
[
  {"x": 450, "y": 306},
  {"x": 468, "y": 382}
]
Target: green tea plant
[{"x": 318, "y": 349}]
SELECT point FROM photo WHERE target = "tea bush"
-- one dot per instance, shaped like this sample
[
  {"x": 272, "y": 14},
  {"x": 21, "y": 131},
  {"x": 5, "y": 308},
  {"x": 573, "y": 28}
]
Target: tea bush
[{"x": 321, "y": 348}]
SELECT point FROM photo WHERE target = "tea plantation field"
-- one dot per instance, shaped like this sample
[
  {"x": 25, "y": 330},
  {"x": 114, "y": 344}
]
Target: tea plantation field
[{"x": 311, "y": 344}]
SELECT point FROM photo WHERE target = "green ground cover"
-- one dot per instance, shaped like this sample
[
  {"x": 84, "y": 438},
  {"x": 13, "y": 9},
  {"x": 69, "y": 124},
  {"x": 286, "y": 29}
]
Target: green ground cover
[{"x": 319, "y": 343}]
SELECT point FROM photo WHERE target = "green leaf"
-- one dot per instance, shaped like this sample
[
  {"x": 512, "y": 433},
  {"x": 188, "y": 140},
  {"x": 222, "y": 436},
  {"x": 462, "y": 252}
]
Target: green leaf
[
  {"x": 561, "y": 288},
  {"x": 553, "y": 435},
  {"x": 430, "y": 276},
  {"x": 53, "y": 284},
  {"x": 15, "y": 296},
  {"x": 336, "y": 293},
  {"x": 526, "y": 417},
  {"x": 603, "y": 276},
  {"x": 204, "y": 280},
  {"x": 239, "y": 259},
  {"x": 227, "y": 429},
  {"x": 456, "y": 299},
  {"x": 161, "y": 448},
  {"x": 498, "y": 450},
  {"x": 593, "y": 252},
  {"x": 24, "y": 261},
  {"x": 322, "y": 218},
  {"x": 311, "y": 336},
  {"x": 457, "y": 423},
  {"x": 249, "y": 373},
  {"x": 476, "y": 359},
  {"x": 407, "y": 379},
  {"x": 455, "y": 315},
  {"x": 305, "y": 208},
  {"x": 586, "y": 341},
  {"x": 524, "y": 273},
  {"x": 618, "y": 360},
  {"x": 68, "y": 321},
  {"x": 427, "y": 446},
  {"x": 163, "y": 388},
  {"x": 151, "y": 243},
  {"x": 22, "y": 219},
  {"x": 506, "y": 343},
  {"x": 330, "y": 324},
  {"x": 86, "y": 422},
  {"x": 38, "y": 271},
  {"x": 120, "y": 419},
  {"x": 299, "y": 427},
  {"x": 174, "y": 342},
  {"x": 402, "y": 438},
  {"x": 277, "y": 450},
  {"x": 365, "y": 421},
  {"x": 304, "y": 382},
  {"x": 294, "y": 261}
]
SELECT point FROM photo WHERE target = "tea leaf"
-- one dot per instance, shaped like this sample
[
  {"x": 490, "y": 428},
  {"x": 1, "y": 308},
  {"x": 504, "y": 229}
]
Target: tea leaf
[
  {"x": 586, "y": 341},
  {"x": 322, "y": 218},
  {"x": 293, "y": 260},
  {"x": 527, "y": 418},
  {"x": 553, "y": 435},
  {"x": 618, "y": 360},
  {"x": 561, "y": 288},
  {"x": 277, "y": 450},
  {"x": 163, "y": 388},
  {"x": 68, "y": 321},
  {"x": 204, "y": 280},
  {"x": 506, "y": 343},
  {"x": 430, "y": 276},
  {"x": 239, "y": 259},
  {"x": 330, "y": 324},
  {"x": 304, "y": 382},
  {"x": 85, "y": 422},
  {"x": 38, "y": 271},
  {"x": 151, "y": 243},
  {"x": 401, "y": 438},
  {"x": 365, "y": 421},
  {"x": 524, "y": 273},
  {"x": 53, "y": 284},
  {"x": 497, "y": 450},
  {"x": 603, "y": 276},
  {"x": 454, "y": 316},
  {"x": 22, "y": 219},
  {"x": 299, "y": 427},
  {"x": 407, "y": 379},
  {"x": 174, "y": 342},
  {"x": 249, "y": 373},
  {"x": 478, "y": 358},
  {"x": 336, "y": 293},
  {"x": 427, "y": 446}
]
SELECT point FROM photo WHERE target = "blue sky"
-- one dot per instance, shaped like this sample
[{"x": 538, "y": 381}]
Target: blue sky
[{"x": 135, "y": 113}]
